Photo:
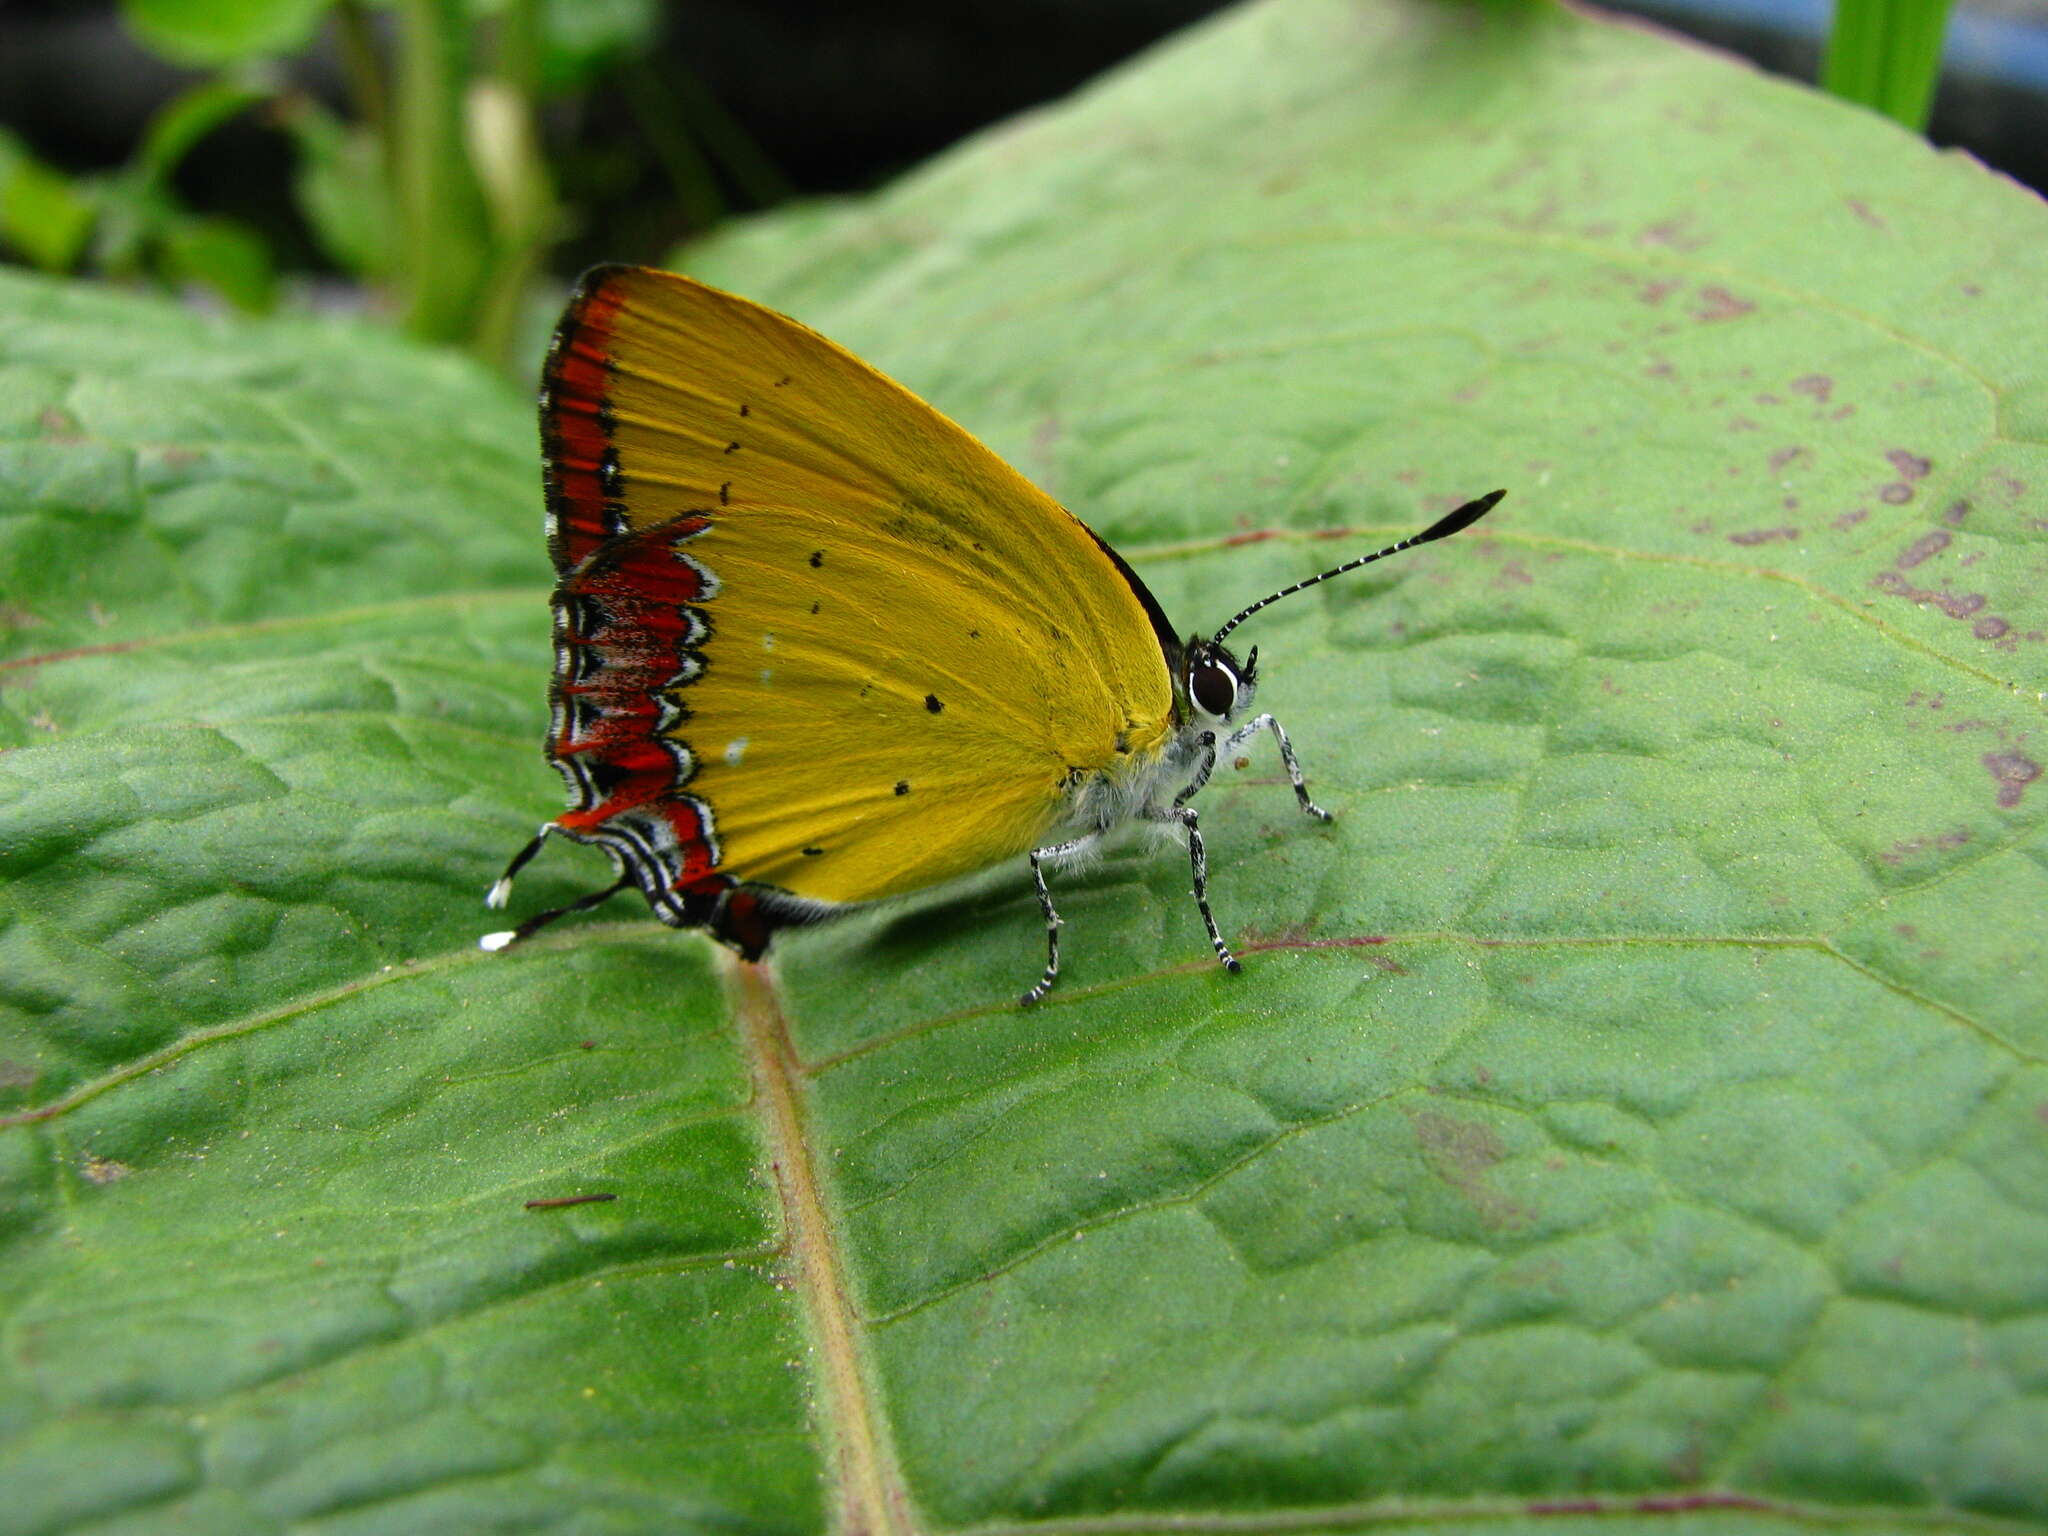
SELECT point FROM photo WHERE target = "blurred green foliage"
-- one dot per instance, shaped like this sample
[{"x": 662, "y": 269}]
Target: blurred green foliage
[
  {"x": 131, "y": 222},
  {"x": 433, "y": 186}
]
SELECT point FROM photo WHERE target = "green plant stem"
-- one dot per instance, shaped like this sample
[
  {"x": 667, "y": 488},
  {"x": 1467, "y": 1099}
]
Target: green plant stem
[
  {"x": 364, "y": 65},
  {"x": 758, "y": 178},
  {"x": 526, "y": 217},
  {"x": 443, "y": 239},
  {"x": 1886, "y": 54},
  {"x": 689, "y": 171}
]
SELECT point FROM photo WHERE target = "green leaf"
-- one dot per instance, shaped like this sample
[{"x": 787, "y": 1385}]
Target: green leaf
[
  {"x": 225, "y": 255},
  {"x": 210, "y": 32},
  {"x": 44, "y": 214},
  {"x": 1632, "y": 1111},
  {"x": 191, "y": 116},
  {"x": 339, "y": 185},
  {"x": 580, "y": 37}
]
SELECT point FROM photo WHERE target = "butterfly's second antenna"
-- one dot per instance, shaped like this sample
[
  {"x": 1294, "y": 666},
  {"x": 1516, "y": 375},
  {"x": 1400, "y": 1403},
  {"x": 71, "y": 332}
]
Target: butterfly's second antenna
[{"x": 1442, "y": 528}]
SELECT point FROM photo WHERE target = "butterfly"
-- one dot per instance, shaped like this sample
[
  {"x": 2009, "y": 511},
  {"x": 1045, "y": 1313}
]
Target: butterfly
[{"x": 815, "y": 646}]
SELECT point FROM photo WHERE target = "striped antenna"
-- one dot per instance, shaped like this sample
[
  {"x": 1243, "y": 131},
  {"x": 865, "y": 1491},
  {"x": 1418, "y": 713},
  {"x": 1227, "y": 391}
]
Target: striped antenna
[{"x": 1443, "y": 528}]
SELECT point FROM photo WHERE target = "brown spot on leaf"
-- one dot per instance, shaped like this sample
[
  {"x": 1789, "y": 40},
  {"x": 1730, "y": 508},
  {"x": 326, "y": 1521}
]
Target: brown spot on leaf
[
  {"x": 1045, "y": 437},
  {"x": 103, "y": 1170},
  {"x": 1906, "y": 848},
  {"x": 1990, "y": 628},
  {"x": 1909, "y": 465},
  {"x": 1672, "y": 233},
  {"x": 1850, "y": 519},
  {"x": 59, "y": 425},
  {"x": 1862, "y": 210},
  {"x": 563, "y": 1202},
  {"x": 1763, "y": 535},
  {"x": 1460, "y": 1152},
  {"x": 1786, "y": 456},
  {"x": 1955, "y": 605},
  {"x": 1896, "y": 494},
  {"x": 1818, "y": 385},
  {"x": 1925, "y": 547},
  {"x": 1717, "y": 303},
  {"x": 2014, "y": 771}
]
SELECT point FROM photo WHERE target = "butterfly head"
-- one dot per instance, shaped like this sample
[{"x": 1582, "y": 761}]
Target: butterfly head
[{"x": 1218, "y": 686}]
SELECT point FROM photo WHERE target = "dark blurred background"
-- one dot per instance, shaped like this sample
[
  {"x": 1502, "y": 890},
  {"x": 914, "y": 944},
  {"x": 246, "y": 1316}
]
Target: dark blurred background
[
  {"x": 133, "y": 148},
  {"x": 771, "y": 99}
]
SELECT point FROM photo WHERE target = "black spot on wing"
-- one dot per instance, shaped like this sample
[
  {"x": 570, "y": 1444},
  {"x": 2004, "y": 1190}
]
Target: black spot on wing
[
  {"x": 903, "y": 786},
  {"x": 931, "y": 702}
]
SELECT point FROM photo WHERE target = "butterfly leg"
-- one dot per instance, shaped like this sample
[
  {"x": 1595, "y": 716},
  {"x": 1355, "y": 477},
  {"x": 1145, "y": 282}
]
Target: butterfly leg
[
  {"x": 1252, "y": 728},
  {"x": 1198, "y": 858},
  {"x": 1052, "y": 918},
  {"x": 501, "y": 891},
  {"x": 526, "y": 930},
  {"x": 1198, "y": 861}
]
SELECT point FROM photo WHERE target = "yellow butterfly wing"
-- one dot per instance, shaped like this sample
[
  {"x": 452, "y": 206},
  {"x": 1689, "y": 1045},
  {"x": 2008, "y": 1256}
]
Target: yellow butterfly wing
[{"x": 811, "y": 635}]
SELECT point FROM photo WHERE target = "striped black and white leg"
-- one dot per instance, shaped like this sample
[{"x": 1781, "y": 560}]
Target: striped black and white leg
[
  {"x": 526, "y": 930},
  {"x": 1252, "y": 728},
  {"x": 1203, "y": 769},
  {"x": 501, "y": 889},
  {"x": 1052, "y": 918},
  {"x": 1198, "y": 861}
]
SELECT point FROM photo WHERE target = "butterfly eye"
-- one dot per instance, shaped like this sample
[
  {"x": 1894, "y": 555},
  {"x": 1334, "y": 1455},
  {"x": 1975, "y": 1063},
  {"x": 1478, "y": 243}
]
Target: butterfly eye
[{"x": 1213, "y": 687}]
